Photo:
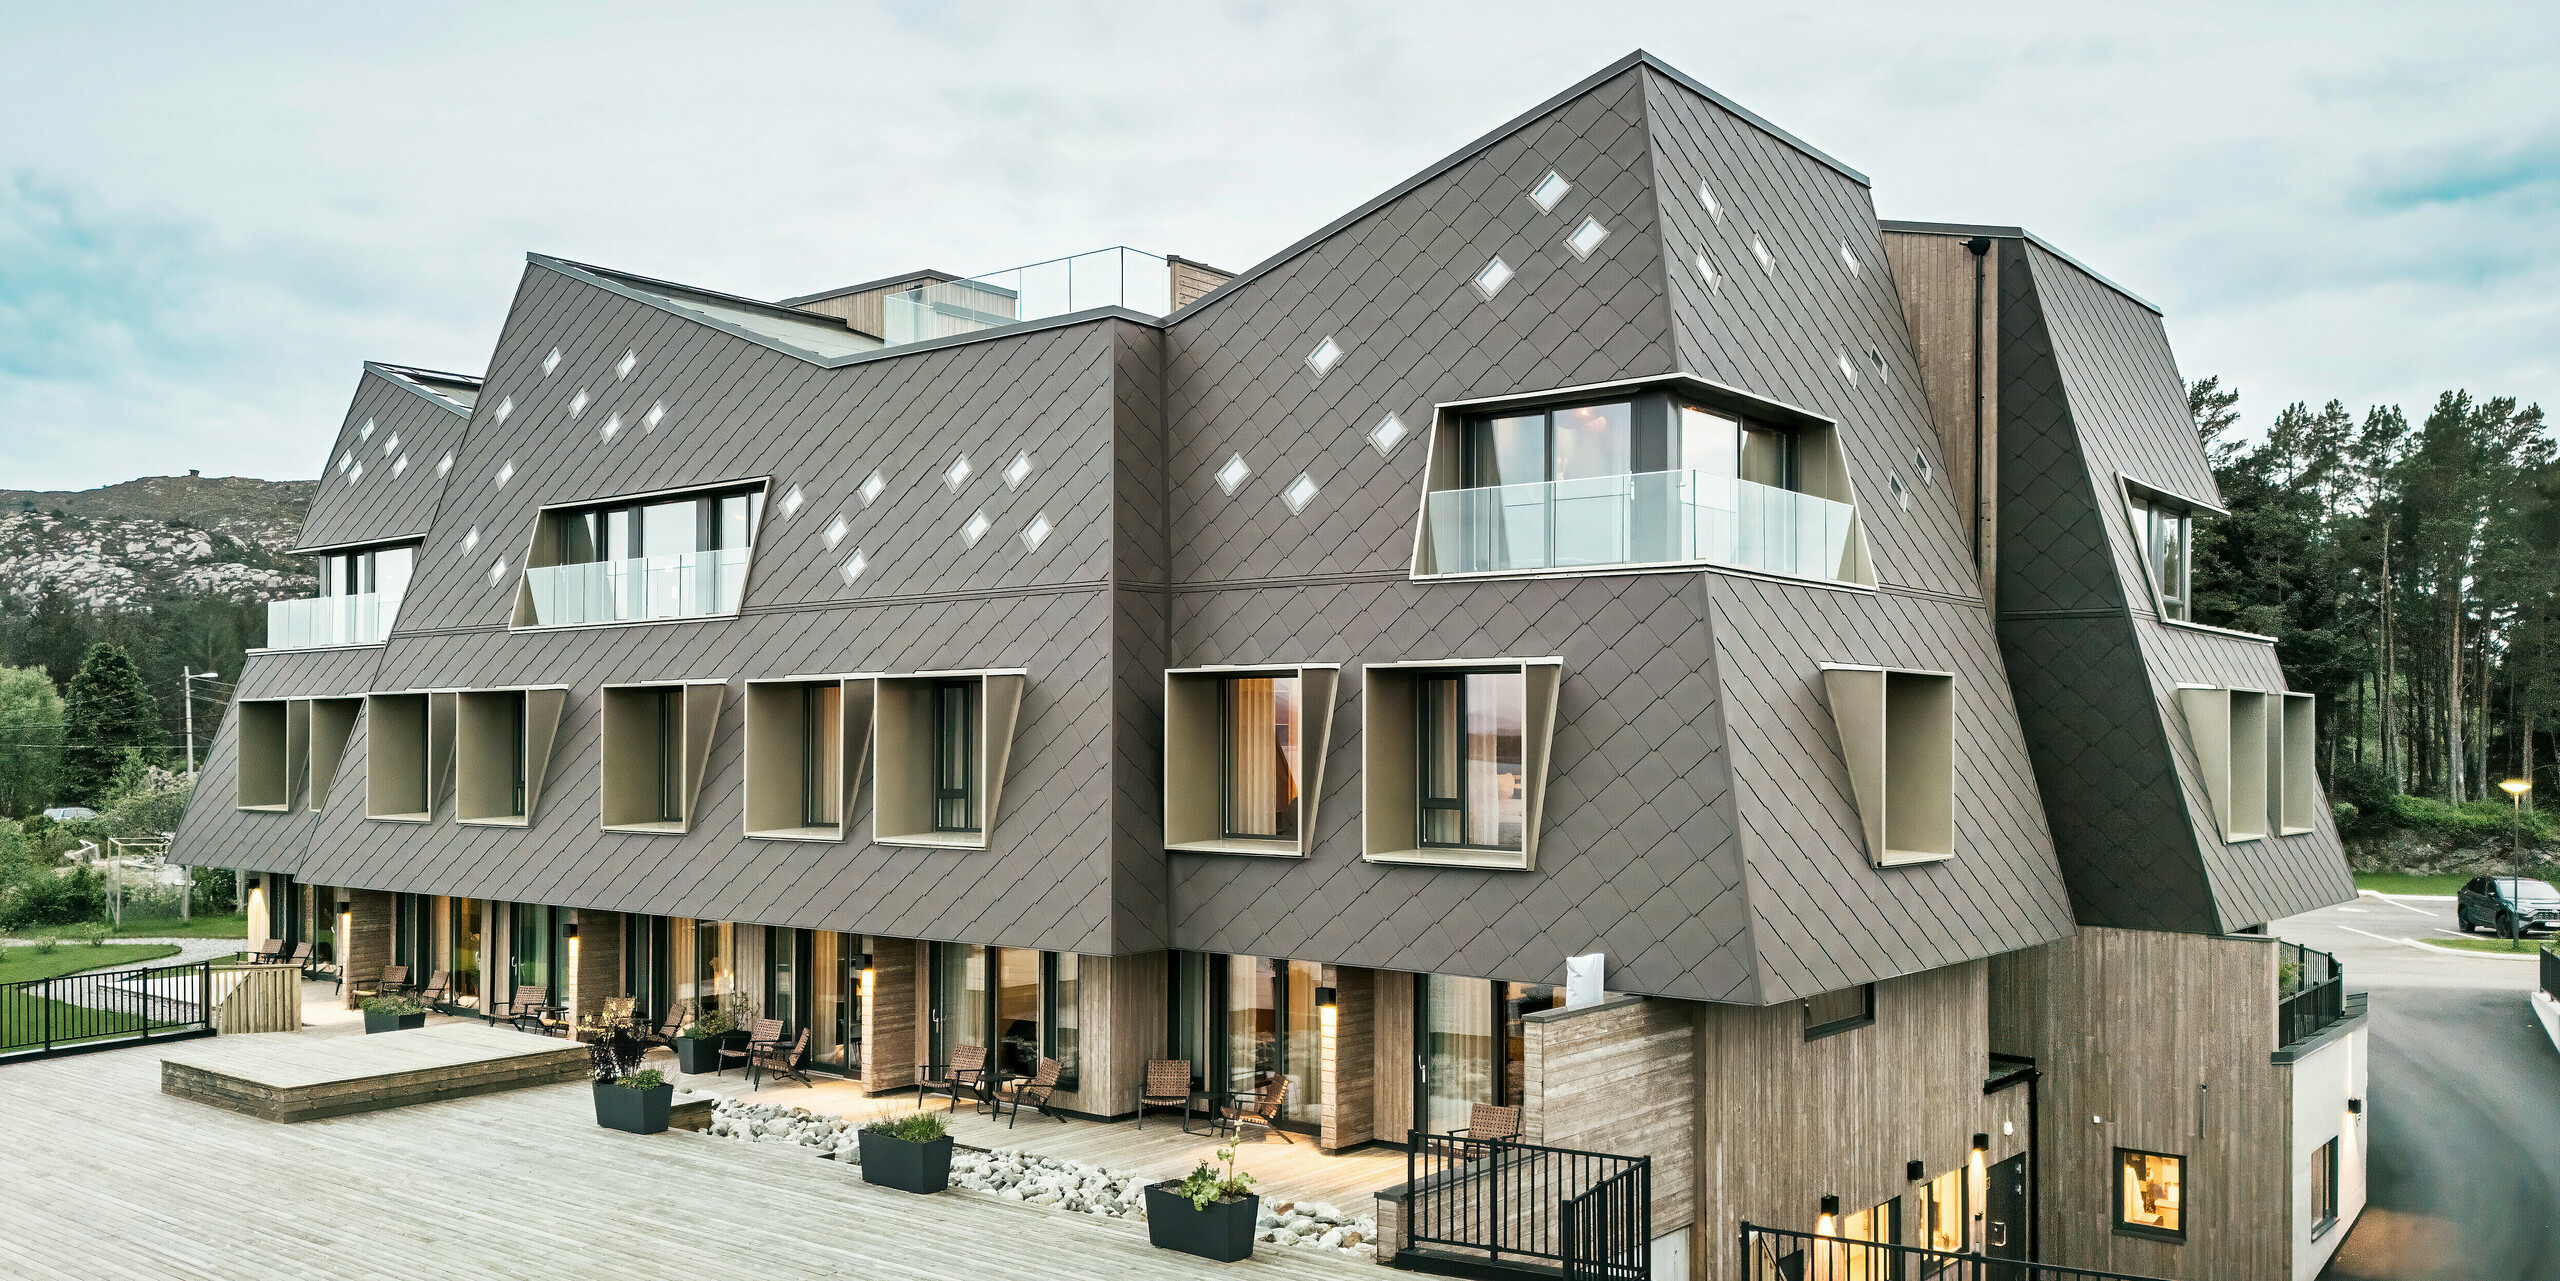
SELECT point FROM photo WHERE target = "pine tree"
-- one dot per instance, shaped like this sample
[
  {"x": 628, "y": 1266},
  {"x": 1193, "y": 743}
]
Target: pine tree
[{"x": 110, "y": 716}]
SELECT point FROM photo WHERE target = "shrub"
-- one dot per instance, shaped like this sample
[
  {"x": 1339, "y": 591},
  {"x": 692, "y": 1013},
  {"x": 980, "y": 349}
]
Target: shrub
[
  {"x": 2470, "y": 823},
  {"x": 645, "y": 1079},
  {"x": 1205, "y": 1184},
  {"x": 2364, "y": 785},
  {"x": 914, "y": 1127},
  {"x": 93, "y": 933},
  {"x": 399, "y": 1005},
  {"x": 65, "y": 898}
]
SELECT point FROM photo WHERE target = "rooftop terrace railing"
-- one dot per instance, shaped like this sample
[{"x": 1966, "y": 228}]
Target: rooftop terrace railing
[
  {"x": 1114, "y": 277},
  {"x": 1645, "y": 518},
  {"x": 314, "y": 622},
  {"x": 2310, "y": 992},
  {"x": 690, "y": 585},
  {"x": 1784, "y": 1254}
]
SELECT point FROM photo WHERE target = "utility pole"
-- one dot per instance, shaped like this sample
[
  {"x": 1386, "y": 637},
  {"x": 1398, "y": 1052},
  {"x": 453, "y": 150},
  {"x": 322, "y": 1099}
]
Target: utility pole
[{"x": 187, "y": 695}]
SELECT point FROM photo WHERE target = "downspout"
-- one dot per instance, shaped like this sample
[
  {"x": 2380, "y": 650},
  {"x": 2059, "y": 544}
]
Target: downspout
[{"x": 1980, "y": 247}]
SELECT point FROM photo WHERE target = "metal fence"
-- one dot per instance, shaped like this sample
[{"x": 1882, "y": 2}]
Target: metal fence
[
  {"x": 1506, "y": 1204},
  {"x": 41, "y": 1018},
  {"x": 2311, "y": 992},
  {"x": 2551, "y": 973},
  {"x": 1780, "y": 1254}
]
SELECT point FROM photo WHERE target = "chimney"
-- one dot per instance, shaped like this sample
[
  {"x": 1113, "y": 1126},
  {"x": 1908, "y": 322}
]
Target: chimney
[
  {"x": 1949, "y": 280},
  {"x": 193, "y": 474},
  {"x": 1193, "y": 279}
]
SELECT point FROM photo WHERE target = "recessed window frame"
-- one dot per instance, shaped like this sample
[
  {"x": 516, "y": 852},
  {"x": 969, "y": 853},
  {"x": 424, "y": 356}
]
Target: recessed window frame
[
  {"x": 2117, "y": 1189},
  {"x": 267, "y": 754},
  {"x": 2324, "y": 1189},
  {"x": 503, "y": 739},
  {"x": 408, "y": 753},
  {"x": 1391, "y": 762},
  {"x": 1829, "y": 1014},
  {"x": 547, "y": 546},
  {"x": 1820, "y": 469},
  {"x": 2293, "y": 776},
  {"x": 1897, "y": 737},
  {"x": 1195, "y": 757},
  {"x": 2228, "y": 729},
  {"x": 906, "y": 802},
  {"x": 656, "y": 743},
  {"x": 2171, "y": 603},
  {"x": 782, "y": 766}
]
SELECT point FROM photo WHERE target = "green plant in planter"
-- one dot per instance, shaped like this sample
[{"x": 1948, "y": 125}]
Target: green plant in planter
[
  {"x": 719, "y": 1022},
  {"x": 1206, "y": 1184},
  {"x": 914, "y": 1127},
  {"x": 395, "y": 1005},
  {"x": 647, "y": 1079}
]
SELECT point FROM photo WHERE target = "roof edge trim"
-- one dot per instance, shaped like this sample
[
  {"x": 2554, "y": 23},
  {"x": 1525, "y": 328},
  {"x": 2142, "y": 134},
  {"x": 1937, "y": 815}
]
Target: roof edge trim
[
  {"x": 2016, "y": 233},
  {"x": 392, "y": 374},
  {"x": 932, "y": 275},
  {"x": 1639, "y": 58}
]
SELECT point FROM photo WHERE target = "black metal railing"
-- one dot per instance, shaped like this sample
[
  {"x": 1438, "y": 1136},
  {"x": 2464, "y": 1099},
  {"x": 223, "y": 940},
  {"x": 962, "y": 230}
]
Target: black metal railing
[
  {"x": 2311, "y": 992},
  {"x": 1510, "y": 1205},
  {"x": 41, "y": 1018},
  {"x": 1781, "y": 1254}
]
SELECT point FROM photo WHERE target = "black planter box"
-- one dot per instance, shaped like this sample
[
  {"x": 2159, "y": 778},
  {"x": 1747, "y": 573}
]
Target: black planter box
[
  {"x": 634, "y": 1111},
  {"x": 908, "y": 1167},
  {"x": 701, "y": 1053},
  {"x": 1223, "y": 1232},
  {"x": 392, "y": 1022}
]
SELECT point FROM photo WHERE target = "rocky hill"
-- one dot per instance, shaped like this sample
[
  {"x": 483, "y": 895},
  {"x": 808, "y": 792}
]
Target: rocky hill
[{"x": 157, "y": 536}]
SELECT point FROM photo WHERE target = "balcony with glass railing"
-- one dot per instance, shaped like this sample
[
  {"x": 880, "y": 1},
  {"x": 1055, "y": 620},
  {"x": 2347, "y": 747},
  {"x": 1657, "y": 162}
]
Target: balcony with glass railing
[
  {"x": 1114, "y": 277},
  {"x": 687, "y": 585},
  {"x": 315, "y": 622},
  {"x": 1643, "y": 519}
]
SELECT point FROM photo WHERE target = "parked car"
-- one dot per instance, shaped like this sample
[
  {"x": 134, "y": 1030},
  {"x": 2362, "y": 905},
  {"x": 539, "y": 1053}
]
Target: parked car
[{"x": 2491, "y": 901}]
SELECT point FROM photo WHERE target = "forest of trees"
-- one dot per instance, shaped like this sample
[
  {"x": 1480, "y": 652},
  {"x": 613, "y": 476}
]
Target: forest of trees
[
  {"x": 165, "y": 636},
  {"x": 2406, "y": 572}
]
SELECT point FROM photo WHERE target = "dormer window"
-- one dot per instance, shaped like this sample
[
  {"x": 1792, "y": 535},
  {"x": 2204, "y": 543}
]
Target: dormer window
[
  {"x": 2168, "y": 534},
  {"x": 1659, "y": 477},
  {"x": 633, "y": 560},
  {"x": 360, "y": 591}
]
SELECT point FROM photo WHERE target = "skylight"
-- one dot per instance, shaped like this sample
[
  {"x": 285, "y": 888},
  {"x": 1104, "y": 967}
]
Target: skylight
[
  {"x": 1549, "y": 190},
  {"x": 1495, "y": 275},
  {"x": 1326, "y": 355},
  {"x": 1233, "y": 474},
  {"x": 1388, "y": 434},
  {"x": 1586, "y": 237}
]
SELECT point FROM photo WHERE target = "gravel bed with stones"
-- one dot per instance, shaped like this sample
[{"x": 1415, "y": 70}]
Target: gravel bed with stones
[{"x": 1013, "y": 1175}]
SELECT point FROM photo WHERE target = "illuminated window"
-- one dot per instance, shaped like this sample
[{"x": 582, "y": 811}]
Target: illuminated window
[
  {"x": 1474, "y": 791},
  {"x": 1843, "y": 1261},
  {"x": 2150, "y": 1195},
  {"x": 1942, "y": 1213}
]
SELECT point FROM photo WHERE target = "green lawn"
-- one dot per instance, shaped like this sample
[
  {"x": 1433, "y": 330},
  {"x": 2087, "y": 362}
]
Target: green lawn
[
  {"x": 2391, "y": 883},
  {"x": 2498, "y": 945},
  {"x": 24, "y": 964},
  {"x": 233, "y": 926}
]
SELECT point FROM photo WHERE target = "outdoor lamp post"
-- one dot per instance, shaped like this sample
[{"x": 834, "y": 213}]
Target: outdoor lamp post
[{"x": 2516, "y": 789}]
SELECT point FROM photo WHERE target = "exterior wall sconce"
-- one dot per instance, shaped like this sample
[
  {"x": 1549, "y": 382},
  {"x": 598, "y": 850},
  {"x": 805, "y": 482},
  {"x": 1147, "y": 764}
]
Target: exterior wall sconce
[
  {"x": 1982, "y": 1143},
  {"x": 255, "y": 882},
  {"x": 1327, "y": 998},
  {"x": 345, "y": 907},
  {"x": 569, "y": 931},
  {"x": 1915, "y": 1171},
  {"x": 1830, "y": 1205},
  {"x": 862, "y": 962},
  {"x": 2356, "y": 1106}
]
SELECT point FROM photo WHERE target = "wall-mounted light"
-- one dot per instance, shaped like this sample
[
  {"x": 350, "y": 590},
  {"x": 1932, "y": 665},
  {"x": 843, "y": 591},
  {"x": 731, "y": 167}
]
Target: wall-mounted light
[
  {"x": 862, "y": 961},
  {"x": 1830, "y": 1205},
  {"x": 345, "y": 907},
  {"x": 2355, "y": 1106},
  {"x": 1982, "y": 1143},
  {"x": 1915, "y": 1170},
  {"x": 254, "y": 882},
  {"x": 569, "y": 931},
  {"x": 1327, "y": 998}
]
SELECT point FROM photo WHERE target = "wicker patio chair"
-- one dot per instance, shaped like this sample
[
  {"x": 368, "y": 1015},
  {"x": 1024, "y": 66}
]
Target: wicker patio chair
[
  {"x": 764, "y": 1039},
  {"x": 965, "y": 1073},
  {"x": 1035, "y": 1091},
  {"x": 1487, "y": 1122},
  {"x": 781, "y": 1063},
  {"x": 439, "y": 989},
  {"x": 394, "y": 980},
  {"x": 663, "y": 1033},
  {"x": 1264, "y": 1110},
  {"x": 1168, "y": 1086}
]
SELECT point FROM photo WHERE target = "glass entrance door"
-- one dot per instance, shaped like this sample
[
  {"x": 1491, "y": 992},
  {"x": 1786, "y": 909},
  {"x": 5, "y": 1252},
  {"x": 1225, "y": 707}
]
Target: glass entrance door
[
  {"x": 786, "y": 978},
  {"x": 463, "y": 969},
  {"x": 835, "y": 1032},
  {"x": 1273, "y": 1032},
  {"x": 1456, "y": 1050},
  {"x": 644, "y": 966}
]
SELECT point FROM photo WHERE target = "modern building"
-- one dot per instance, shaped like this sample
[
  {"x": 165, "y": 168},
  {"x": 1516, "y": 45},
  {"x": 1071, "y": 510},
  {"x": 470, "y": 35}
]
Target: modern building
[{"x": 1611, "y": 542}]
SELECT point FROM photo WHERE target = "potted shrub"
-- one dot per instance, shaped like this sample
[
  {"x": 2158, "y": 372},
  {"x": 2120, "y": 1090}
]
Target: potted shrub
[
  {"x": 1210, "y": 1214},
  {"x": 911, "y": 1154},
  {"x": 392, "y": 1014},
  {"x": 698, "y": 1046},
  {"x": 635, "y": 1102}
]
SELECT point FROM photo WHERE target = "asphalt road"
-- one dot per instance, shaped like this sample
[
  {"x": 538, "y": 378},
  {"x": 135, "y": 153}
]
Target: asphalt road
[{"x": 2463, "y": 1112}]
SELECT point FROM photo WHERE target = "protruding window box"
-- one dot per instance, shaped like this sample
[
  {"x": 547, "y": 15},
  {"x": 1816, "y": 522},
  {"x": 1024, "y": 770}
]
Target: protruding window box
[
  {"x": 2228, "y": 729},
  {"x": 360, "y": 591},
  {"x": 672, "y": 555},
  {"x": 657, "y": 739},
  {"x": 1658, "y": 473},
  {"x": 1453, "y": 760},
  {"x": 333, "y": 722},
  {"x": 2293, "y": 780},
  {"x": 1897, "y": 734},
  {"x": 274, "y": 741},
  {"x": 1244, "y": 754},
  {"x": 943, "y": 741},
  {"x": 502, "y": 752},
  {"x": 408, "y": 753},
  {"x": 808, "y": 738}
]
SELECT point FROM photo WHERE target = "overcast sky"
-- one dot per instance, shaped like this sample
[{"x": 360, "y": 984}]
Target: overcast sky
[{"x": 210, "y": 214}]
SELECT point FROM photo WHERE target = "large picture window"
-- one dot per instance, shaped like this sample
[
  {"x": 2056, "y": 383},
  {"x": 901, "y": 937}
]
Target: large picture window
[
  {"x": 680, "y": 556},
  {"x": 940, "y": 742},
  {"x": 1474, "y": 781},
  {"x": 1019, "y": 1003},
  {"x": 2150, "y": 1195}
]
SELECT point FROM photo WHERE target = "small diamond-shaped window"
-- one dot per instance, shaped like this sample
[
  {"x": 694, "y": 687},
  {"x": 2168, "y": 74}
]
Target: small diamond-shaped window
[
  {"x": 1586, "y": 238},
  {"x": 1549, "y": 190},
  {"x": 1300, "y": 492},
  {"x": 400, "y": 464},
  {"x": 871, "y": 488},
  {"x": 791, "y": 501},
  {"x": 1495, "y": 275},
  {"x": 1232, "y": 475},
  {"x": 657, "y": 414},
  {"x": 836, "y": 530},
  {"x": 357, "y": 474},
  {"x": 976, "y": 529},
  {"x": 498, "y": 572},
  {"x": 444, "y": 465},
  {"x": 854, "y": 565},
  {"x": 1017, "y": 471},
  {"x": 506, "y": 406},
  {"x": 1037, "y": 532},
  {"x": 471, "y": 539},
  {"x": 1707, "y": 275},
  {"x": 551, "y": 362},
  {"x": 1768, "y": 260},
  {"x": 630, "y": 361},
  {"x": 1848, "y": 367},
  {"x": 1388, "y": 434},
  {"x": 1849, "y": 258},
  {"x": 391, "y": 443},
  {"x": 345, "y": 461},
  {"x": 957, "y": 475},
  {"x": 578, "y": 403},
  {"x": 1875, "y": 357},
  {"x": 365, "y": 432},
  {"x": 612, "y": 426},
  {"x": 506, "y": 472},
  {"x": 1715, "y": 209},
  {"x": 1326, "y": 355}
]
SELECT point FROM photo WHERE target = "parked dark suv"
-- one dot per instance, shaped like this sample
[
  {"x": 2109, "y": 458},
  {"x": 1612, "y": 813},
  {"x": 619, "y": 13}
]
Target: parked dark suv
[{"x": 2491, "y": 901}]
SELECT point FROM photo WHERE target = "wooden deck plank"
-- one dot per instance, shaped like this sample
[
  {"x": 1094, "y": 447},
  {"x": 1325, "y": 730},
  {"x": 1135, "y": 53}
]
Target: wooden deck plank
[{"x": 119, "y": 1180}]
